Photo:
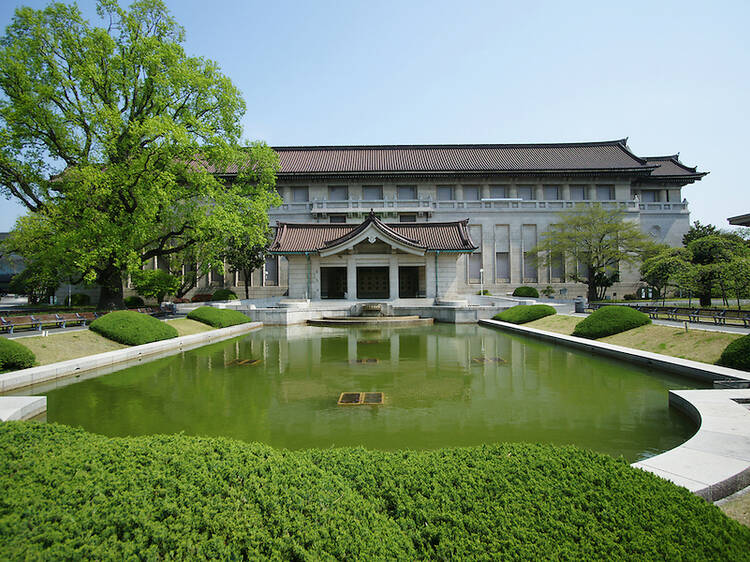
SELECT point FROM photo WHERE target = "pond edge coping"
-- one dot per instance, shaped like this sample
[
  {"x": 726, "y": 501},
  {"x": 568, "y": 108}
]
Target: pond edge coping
[
  {"x": 713, "y": 463},
  {"x": 25, "y": 407}
]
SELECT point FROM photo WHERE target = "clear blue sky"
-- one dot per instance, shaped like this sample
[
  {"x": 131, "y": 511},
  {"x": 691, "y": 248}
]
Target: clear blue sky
[{"x": 671, "y": 76}]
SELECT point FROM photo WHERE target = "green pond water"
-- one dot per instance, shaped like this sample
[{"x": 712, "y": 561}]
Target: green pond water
[{"x": 444, "y": 385}]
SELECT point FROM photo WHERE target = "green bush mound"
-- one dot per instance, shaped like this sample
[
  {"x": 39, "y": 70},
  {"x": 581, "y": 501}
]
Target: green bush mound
[
  {"x": 224, "y": 295},
  {"x": 737, "y": 354},
  {"x": 525, "y": 291},
  {"x": 14, "y": 356},
  {"x": 525, "y": 313},
  {"x": 132, "y": 328},
  {"x": 218, "y": 317},
  {"x": 68, "y": 494},
  {"x": 609, "y": 320},
  {"x": 133, "y": 301}
]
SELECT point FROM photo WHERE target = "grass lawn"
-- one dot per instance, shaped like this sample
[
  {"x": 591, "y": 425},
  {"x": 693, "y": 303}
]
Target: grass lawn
[
  {"x": 698, "y": 345},
  {"x": 71, "y": 345}
]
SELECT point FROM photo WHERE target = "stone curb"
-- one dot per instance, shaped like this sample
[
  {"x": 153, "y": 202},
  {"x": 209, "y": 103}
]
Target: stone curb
[
  {"x": 44, "y": 373},
  {"x": 715, "y": 462}
]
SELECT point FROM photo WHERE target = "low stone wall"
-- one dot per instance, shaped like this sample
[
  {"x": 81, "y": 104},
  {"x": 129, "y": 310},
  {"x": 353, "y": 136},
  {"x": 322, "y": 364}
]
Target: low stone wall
[{"x": 715, "y": 462}]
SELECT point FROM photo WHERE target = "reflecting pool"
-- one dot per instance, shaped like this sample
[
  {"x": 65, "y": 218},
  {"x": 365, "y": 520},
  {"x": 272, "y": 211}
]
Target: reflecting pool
[{"x": 444, "y": 385}]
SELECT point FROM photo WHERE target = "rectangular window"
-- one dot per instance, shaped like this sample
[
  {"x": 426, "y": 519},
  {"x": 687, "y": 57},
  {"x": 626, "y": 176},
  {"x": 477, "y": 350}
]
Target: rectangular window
[
  {"x": 577, "y": 192},
  {"x": 372, "y": 192},
  {"x": 445, "y": 193},
  {"x": 300, "y": 194},
  {"x": 271, "y": 271},
  {"x": 475, "y": 266},
  {"x": 649, "y": 196},
  {"x": 526, "y": 192},
  {"x": 605, "y": 192},
  {"x": 557, "y": 267},
  {"x": 528, "y": 239},
  {"x": 337, "y": 218},
  {"x": 551, "y": 192},
  {"x": 502, "y": 266},
  {"x": 407, "y": 192},
  {"x": 499, "y": 191},
  {"x": 471, "y": 193},
  {"x": 407, "y": 218},
  {"x": 338, "y": 192}
]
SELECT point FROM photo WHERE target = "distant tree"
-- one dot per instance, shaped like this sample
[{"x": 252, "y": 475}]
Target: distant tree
[
  {"x": 698, "y": 230},
  {"x": 665, "y": 269},
  {"x": 244, "y": 256},
  {"x": 735, "y": 277},
  {"x": 116, "y": 141},
  {"x": 710, "y": 254},
  {"x": 598, "y": 239},
  {"x": 154, "y": 283}
]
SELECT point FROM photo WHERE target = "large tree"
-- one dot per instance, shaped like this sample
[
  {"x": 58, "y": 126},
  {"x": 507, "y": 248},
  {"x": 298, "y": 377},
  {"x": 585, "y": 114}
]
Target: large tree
[
  {"x": 117, "y": 142},
  {"x": 246, "y": 256},
  {"x": 597, "y": 242}
]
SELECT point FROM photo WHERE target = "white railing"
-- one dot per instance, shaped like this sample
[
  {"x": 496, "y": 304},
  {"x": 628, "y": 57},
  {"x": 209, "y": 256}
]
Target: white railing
[{"x": 360, "y": 206}]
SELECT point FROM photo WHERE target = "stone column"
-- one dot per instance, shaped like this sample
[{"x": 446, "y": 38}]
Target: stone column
[
  {"x": 484, "y": 191},
  {"x": 393, "y": 277},
  {"x": 539, "y": 193},
  {"x": 512, "y": 191},
  {"x": 662, "y": 196},
  {"x": 351, "y": 278},
  {"x": 429, "y": 273},
  {"x": 566, "y": 192}
]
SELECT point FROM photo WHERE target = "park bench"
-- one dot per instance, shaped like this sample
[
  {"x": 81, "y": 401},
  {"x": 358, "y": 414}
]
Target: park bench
[
  {"x": 737, "y": 316},
  {"x": 10, "y": 323},
  {"x": 53, "y": 320},
  {"x": 71, "y": 318},
  {"x": 87, "y": 317}
]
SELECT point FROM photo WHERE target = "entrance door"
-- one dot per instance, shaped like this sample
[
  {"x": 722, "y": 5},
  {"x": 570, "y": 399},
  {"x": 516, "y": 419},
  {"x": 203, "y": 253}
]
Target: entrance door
[
  {"x": 332, "y": 282},
  {"x": 408, "y": 282},
  {"x": 373, "y": 283}
]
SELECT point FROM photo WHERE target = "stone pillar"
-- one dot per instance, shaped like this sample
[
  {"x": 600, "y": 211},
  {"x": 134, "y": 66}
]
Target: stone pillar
[
  {"x": 393, "y": 277},
  {"x": 484, "y": 191},
  {"x": 566, "y": 192},
  {"x": 429, "y": 273},
  {"x": 662, "y": 196},
  {"x": 539, "y": 193},
  {"x": 351, "y": 278},
  {"x": 458, "y": 192},
  {"x": 512, "y": 191}
]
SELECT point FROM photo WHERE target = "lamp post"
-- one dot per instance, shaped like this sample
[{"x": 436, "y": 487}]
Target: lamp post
[{"x": 481, "y": 281}]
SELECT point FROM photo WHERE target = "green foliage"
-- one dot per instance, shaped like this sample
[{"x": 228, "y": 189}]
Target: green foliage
[
  {"x": 218, "y": 317},
  {"x": 671, "y": 267},
  {"x": 525, "y": 313},
  {"x": 737, "y": 354},
  {"x": 112, "y": 137},
  {"x": 630, "y": 297},
  {"x": 525, "y": 291},
  {"x": 600, "y": 240},
  {"x": 69, "y": 494},
  {"x": 14, "y": 355},
  {"x": 133, "y": 301},
  {"x": 201, "y": 297},
  {"x": 78, "y": 299},
  {"x": 484, "y": 292},
  {"x": 245, "y": 255},
  {"x": 132, "y": 328},
  {"x": 609, "y": 320},
  {"x": 224, "y": 295},
  {"x": 698, "y": 230},
  {"x": 154, "y": 283},
  {"x": 548, "y": 291}
]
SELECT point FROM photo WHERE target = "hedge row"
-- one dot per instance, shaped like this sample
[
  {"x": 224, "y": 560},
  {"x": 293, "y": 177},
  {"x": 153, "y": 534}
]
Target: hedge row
[
  {"x": 14, "y": 356},
  {"x": 218, "y": 317},
  {"x": 68, "y": 494},
  {"x": 610, "y": 320},
  {"x": 525, "y": 291},
  {"x": 132, "y": 328},
  {"x": 737, "y": 354},
  {"x": 525, "y": 313}
]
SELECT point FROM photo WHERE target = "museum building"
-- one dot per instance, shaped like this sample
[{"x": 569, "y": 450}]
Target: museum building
[{"x": 436, "y": 221}]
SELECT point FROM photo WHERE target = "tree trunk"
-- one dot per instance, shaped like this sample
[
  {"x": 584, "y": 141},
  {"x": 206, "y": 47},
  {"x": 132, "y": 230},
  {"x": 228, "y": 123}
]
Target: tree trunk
[
  {"x": 110, "y": 281},
  {"x": 705, "y": 298},
  {"x": 247, "y": 274}
]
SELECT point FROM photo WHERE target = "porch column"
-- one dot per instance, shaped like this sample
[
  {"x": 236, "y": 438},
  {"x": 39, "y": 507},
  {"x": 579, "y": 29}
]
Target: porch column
[
  {"x": 393, "y": 274},
  {"x": 351, "y": 278}
]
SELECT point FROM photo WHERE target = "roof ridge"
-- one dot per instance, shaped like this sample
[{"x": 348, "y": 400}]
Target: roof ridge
[{"x": 452, "y": 145}]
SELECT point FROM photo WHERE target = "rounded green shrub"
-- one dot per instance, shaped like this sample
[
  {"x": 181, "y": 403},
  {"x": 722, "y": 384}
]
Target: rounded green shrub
[
  {"x": 69, "y": 494},
  {"x": 132, "y": 328},
  {"x": 133, "y": 301},
  {"x": 609, "y": 320},
  {"x": 525, "y": 313},
  {"x": 78, "y": 299},
  {"x": 223, "y": 295},
  {"x": 737, "y": 354},
  {"x": 525, "y": 291},
  {"x": 218, "y": 317},
  {"x": 15, "y": 356}
]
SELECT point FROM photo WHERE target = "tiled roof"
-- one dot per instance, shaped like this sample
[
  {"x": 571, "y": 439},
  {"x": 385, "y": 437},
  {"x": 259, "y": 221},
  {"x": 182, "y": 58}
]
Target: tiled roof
[
  {"x": 670, "y": 166},
  {"x": 432, "y": 236},
  {"x": 609, "y": 155}
]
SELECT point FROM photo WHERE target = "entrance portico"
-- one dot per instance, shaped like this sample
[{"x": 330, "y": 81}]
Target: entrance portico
[{"x": 372, "y": 260}]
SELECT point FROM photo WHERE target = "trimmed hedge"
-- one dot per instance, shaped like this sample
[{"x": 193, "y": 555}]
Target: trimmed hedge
[
  {"x": 200, "y": 297},
  {"x": 133, "y": 302},
  {"x": 132, "y": 328},
  {"x": 224, "y": 295},
  {"x": 78, "y": 299},
  {"x": 525, "y": 313},
  {"x": 15, "y": 356},
  {"x": 610, "y": 320},
  {"x": 525, "y": 291},
  {"x": 737, "y": 354},
  {"x": 68, "y": 494},
  {"x": 218, "y": 317}
]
